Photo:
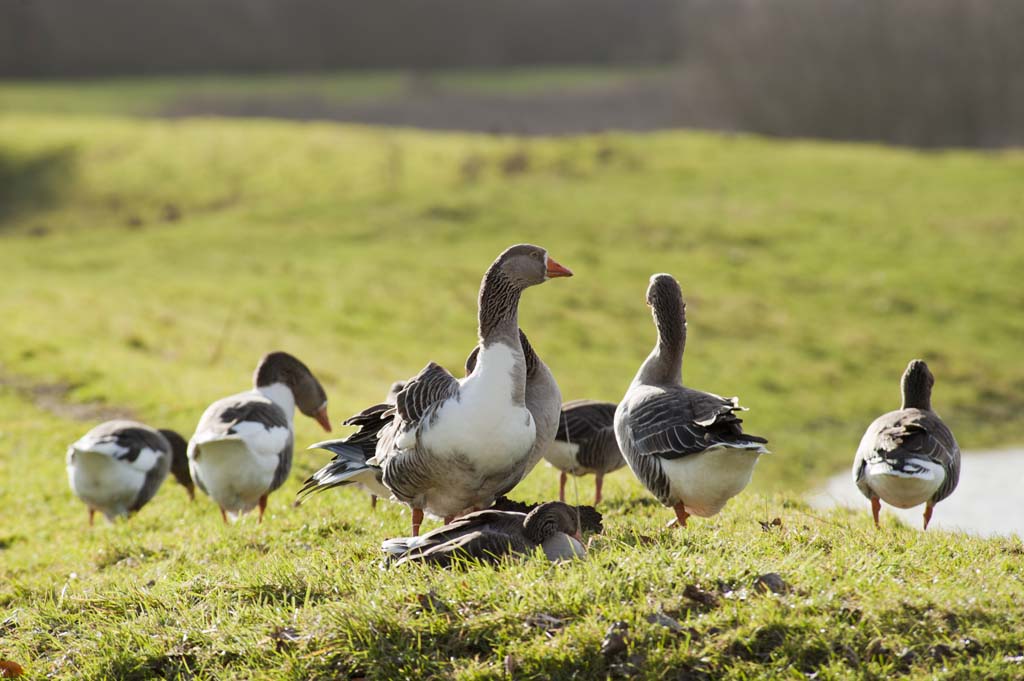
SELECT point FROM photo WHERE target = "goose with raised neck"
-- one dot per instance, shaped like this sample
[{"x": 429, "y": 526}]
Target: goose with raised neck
[
  {"x": 909, "y": 456},
  {"x": 450, "y": 446},
  {"x": 242, "y": 447},
  {"x": 686, "y": 446}
]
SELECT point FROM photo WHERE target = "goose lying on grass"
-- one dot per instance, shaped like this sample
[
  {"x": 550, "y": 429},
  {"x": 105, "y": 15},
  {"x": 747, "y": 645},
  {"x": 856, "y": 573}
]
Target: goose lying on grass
[
  {"x": 585, "y": 444},
  {"x": 242, "y": 448},
  {"x": 687, "y": 447},
  {"x": 908, "y": 457},
  {"x": 449, "y": 446},
  {"x": 117, "y": 467},
  {"x": 489, "y": 536}
]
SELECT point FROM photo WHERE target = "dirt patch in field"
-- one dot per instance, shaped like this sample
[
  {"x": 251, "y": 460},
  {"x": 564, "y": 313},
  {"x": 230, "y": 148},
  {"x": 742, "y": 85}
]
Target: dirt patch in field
[
  {"x": 55, "y": 399},
  {"x": 647, "y": 104}
]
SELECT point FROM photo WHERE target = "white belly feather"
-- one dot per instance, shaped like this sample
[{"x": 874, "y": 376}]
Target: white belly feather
[
  {"x": 237, "y": 471},
  {"x": 483, "y": 425},
  {"x": 105, "y": 483},
  {"x": 706, "y": 481},
  {"x": 562, "y": 455},
  {"x": 905, "y": 490}
]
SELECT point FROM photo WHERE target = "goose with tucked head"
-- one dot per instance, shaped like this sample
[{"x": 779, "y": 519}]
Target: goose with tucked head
[
  {"x": 491, "y": 536},
  {"x": 242, "y": 448},
  {"x": 449, "y": 446},
  {"x": 118, "y": 466},
  {"x": 686, "y": 446},
  {"x": 909, "y": 456}
]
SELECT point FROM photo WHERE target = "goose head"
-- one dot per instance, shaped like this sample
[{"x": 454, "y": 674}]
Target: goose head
[
  {"x": 179, "y": 461},
  {"x": 665, "y": 299},
  {"x": 526, "y": 265},
  {"x": 310, "y": 398},
  {"x": 916, "y": 385},
  {"x": 554, "y": 526}
]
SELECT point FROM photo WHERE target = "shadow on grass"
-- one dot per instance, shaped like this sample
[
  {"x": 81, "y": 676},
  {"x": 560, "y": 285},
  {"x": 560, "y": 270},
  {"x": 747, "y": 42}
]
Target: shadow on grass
[{"x": 30, "y": 183}]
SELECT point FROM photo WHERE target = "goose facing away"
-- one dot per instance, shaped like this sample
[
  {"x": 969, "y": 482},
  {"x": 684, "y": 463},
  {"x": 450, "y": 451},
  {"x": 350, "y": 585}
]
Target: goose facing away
[
  {"x": 449, "y": 446},
  {"x": 908, "y": 457},
  {"x": 242, "y": 448},
  {"x": 585, "y": 443},
  {"x": 489, "y": 536},
  {"x": 117, "y": 467},
  {"x": 687, "y": 447}
]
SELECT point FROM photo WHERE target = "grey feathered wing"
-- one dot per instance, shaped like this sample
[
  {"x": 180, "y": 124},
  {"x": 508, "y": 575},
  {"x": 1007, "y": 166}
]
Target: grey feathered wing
[
  {"x": 678, "y": 422},
  {"x": 906, "y": 434}
]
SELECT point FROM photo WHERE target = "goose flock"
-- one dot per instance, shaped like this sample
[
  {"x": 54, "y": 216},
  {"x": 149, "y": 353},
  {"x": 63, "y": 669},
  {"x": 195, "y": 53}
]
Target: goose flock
[{"x": 452, "y": 448}]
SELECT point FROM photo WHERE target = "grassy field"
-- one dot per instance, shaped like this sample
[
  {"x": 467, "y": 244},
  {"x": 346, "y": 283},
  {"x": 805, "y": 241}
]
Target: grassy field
[{"x": 148, "y": 264}]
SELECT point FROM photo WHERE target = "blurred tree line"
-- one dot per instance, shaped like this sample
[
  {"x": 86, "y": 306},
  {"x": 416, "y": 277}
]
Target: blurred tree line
[{"x": 920, "y": 72}]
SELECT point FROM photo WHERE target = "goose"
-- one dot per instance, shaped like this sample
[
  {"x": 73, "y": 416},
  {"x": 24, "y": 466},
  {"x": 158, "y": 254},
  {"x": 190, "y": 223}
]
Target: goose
[
  {"x": 585, "y": 443},
  {"x": 908, "y": 457},
  {"x": 450, "y": 446},
  {"x": 242, "y": 448},
  {"x": 117, "y": 467},
  {"x": 687, "y": 447},
  {"x": 490, "y": 536}
]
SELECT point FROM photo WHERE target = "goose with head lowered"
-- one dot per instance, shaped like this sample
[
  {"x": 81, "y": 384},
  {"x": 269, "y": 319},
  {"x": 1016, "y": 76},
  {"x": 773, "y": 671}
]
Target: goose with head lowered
[
  {"x": 242, "y": 448},
  {"x": 451, "y": 446},
  {"x": 585, "y": 443},
  {"x": 118, "y": 466},
  {"x": 490, "y": 536},
  {"x": 909, "y": 456},
  {"x": 686, "y": 446}
]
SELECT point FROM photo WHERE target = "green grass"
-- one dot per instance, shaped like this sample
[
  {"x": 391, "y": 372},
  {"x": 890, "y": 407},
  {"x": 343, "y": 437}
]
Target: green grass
[
  {"x": 148, "y": 96},
  {"x": 148, "y": 264}
]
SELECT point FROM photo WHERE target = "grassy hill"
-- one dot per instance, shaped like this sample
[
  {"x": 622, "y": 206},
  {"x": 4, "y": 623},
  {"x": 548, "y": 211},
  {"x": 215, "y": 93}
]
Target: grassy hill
[{"x": 148, "y": 264}]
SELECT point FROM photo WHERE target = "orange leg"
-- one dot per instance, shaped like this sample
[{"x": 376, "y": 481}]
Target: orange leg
[
  {"x": 599, "y": 480},
  {"x": 876, "y": 506},
  {"x": 928, "y": 513},
  {"x": 373, "y": 502},
  {"x": 681, "y": 515},
  {"x": 224, "y": 516},
  {"x": 263, "y": 507},
  {"x": 561, "y": 486},
  {"x": 417, "y": 520},
  {"x": 92, "y": 512}
]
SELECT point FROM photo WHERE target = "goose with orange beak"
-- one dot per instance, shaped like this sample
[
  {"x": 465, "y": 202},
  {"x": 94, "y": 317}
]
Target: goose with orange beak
[
  {"x": 242, "y": 448},
  {"x": 451, "y": 446}
]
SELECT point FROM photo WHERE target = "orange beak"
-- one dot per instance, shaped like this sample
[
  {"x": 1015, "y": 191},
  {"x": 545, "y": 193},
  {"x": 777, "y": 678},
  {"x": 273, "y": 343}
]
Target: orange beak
[
  {"x": 321, "y": 418},
  {"x": 556, "y": 270}
]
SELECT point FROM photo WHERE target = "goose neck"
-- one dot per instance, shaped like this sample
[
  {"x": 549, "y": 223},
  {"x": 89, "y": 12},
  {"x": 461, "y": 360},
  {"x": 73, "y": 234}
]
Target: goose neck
[
  {"x": 498, "y": 311},
  {"x": 281, "y": 395}
]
